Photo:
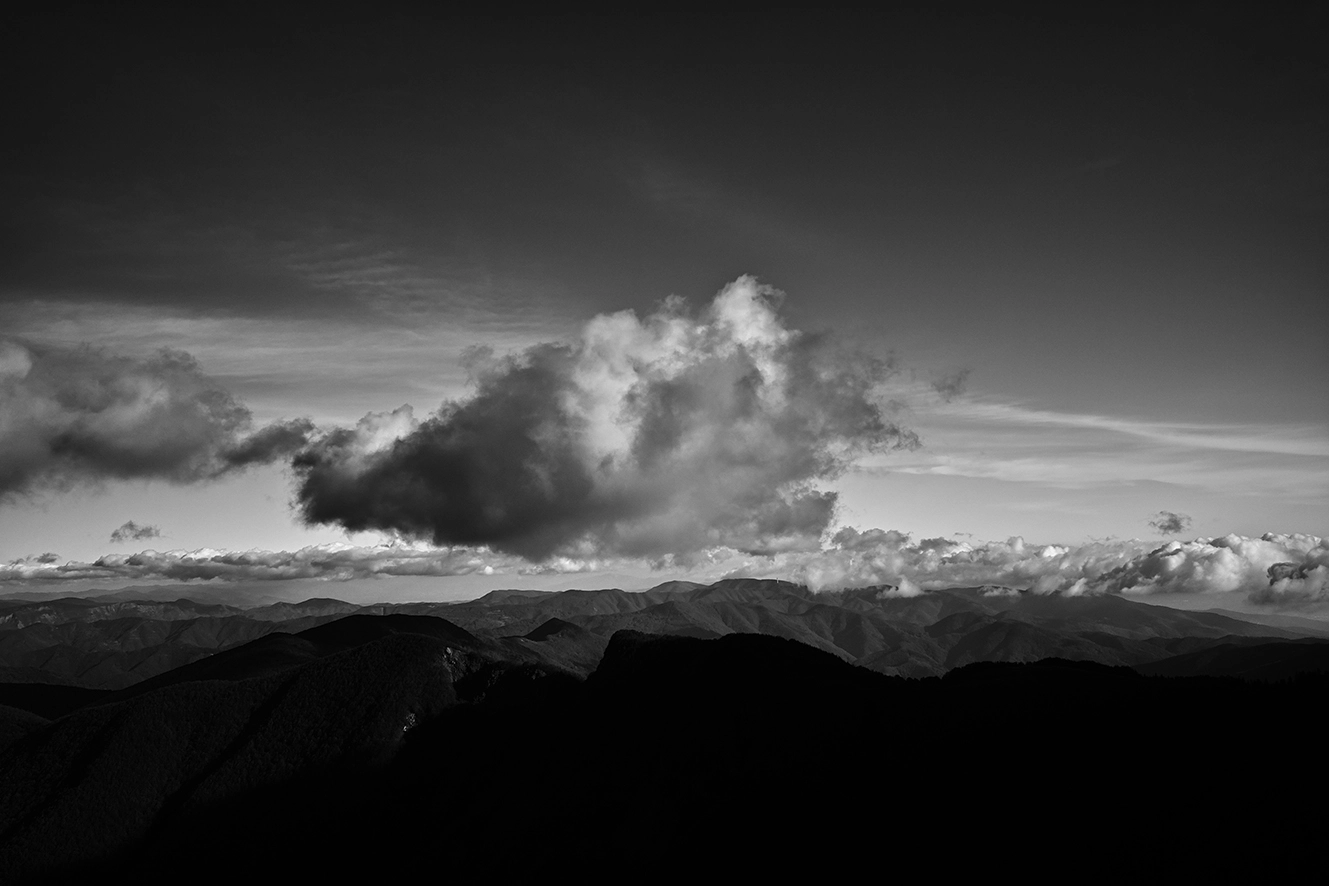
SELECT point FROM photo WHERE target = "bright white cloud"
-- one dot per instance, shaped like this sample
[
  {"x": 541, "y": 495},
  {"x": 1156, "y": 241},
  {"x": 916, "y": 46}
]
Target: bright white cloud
[
  {"x": 1228, "y": 563},
  {"x": 1270, "y": 569}
]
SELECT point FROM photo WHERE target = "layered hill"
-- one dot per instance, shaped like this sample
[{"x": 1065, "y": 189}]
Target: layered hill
[
  {"x": 113, "y": 645},
  {"x": 100, "y": 645}
]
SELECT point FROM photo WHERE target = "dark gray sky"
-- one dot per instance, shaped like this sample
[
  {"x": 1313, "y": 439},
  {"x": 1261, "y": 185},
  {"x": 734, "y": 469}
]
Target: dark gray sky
[
  {"x": 1116, "y": 219},
  {"x": 1020, "y": 190}
]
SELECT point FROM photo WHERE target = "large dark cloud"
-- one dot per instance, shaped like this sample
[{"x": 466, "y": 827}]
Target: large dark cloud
[
  {"x": 71, "y": 416},
  {"x": 657, "y": 437}
]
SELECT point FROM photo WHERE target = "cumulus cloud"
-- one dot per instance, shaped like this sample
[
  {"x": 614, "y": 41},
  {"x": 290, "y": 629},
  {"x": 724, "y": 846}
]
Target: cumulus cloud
[
  {"x": 1169, "y": 523},
  {"x": 72, "y": 416},
  {"x": 657, "y": 437},
  {"x": 1271, "y": 569},
  {"x": 132, "y": 531},
  {"x": 1307, "y": 581},
  {"x": 336, "y": 562}
]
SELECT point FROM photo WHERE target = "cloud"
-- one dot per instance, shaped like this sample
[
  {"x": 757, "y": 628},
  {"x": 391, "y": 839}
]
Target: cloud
[
  {"x": 866, "y": 558},
  {"x": 903, "y": 589},
  {"x": 132, "y": 531},
  {"x": 952, "y": 385},
  {"x": 1306, "y": 440},
  {"x": 656, "y": 437},
  {"x": 1282, "y": 468},
  {"x": 337, "y": 562},
  {"x": 1272, "y": 569},
  {"x": 1169, "y": 523},
  {"x": 275, "y": 441},
  {"x": 1298, "y": 582},
  {"x": 77, "y": 416},
  {"x": 1229, "y": 563}
]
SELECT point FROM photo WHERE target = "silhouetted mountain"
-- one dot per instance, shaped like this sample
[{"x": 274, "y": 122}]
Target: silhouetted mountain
[
  {"x": 113, "y": 772},
  {"x": 405, "y": 748}
]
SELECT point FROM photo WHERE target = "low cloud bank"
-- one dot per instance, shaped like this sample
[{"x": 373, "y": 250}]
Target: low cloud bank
[
  {"x": 1272, "y": 569},
  {"x": 78, "y": 416},
  {"x": 660, "y": 437},
  {"x": 865, "y": 558},
  {"x": 335, "y": 562}
]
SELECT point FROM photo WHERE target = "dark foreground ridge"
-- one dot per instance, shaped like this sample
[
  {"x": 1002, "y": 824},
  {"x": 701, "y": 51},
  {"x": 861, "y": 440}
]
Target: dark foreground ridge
[{"x": 409, "y": 746}]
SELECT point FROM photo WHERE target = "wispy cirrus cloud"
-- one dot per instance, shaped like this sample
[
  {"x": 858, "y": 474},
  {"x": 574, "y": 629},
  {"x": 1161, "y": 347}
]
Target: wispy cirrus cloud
[
  {"x": 1308, "y": 439},
  {"x": 970, "y": 436}
]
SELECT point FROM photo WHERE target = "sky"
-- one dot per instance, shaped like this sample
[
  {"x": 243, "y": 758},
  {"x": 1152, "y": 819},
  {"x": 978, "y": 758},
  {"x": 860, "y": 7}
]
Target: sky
[{"x": 675, "y": 295}]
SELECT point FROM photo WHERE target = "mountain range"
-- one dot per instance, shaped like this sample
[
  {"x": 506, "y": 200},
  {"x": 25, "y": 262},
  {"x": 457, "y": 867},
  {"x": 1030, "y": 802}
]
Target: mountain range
[
  {"x": 110, "y": 645},
  {"x": 745, "y": 726}
]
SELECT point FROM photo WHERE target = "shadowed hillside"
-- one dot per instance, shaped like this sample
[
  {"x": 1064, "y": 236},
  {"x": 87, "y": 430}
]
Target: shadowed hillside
[
  {"x": 619, "y": 714},
  {"x": 400, "y": 747},
  {"x": 343, "y": 694}
]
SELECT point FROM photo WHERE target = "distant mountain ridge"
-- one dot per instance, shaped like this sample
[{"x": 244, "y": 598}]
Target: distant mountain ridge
[{"x": 114, "y": 644}]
